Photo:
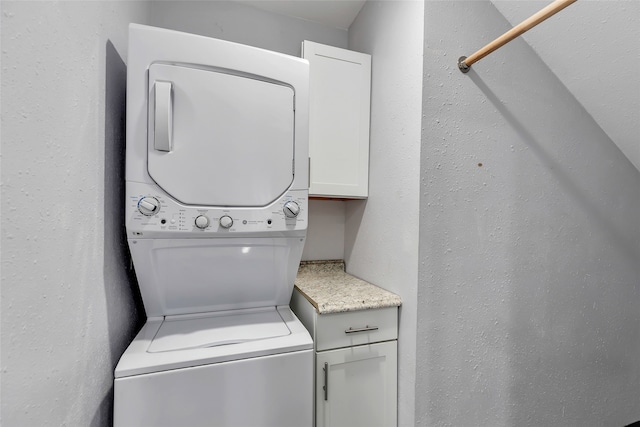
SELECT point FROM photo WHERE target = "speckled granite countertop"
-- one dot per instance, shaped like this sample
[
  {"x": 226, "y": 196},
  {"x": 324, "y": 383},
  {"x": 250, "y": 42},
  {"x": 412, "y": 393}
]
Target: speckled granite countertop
[{"x": 330, "y": 290}]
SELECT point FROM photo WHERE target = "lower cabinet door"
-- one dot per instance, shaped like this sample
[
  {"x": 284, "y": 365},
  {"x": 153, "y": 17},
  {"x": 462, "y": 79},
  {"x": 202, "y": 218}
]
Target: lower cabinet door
[{"x": 357, "y": 386}]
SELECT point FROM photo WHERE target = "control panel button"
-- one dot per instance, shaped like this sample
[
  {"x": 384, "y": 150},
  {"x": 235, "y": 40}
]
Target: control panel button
[
  {"x": 291, "y": 209},
  {"x": 202, "y": 222},
  {"x": 226, "y": 221},
  {"x": 148, "y": 206}
]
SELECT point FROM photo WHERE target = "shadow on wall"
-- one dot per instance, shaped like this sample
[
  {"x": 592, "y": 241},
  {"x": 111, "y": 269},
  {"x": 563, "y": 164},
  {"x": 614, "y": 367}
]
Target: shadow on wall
[
  {"x": 125, "y": 310},
  {"x": 572, "y": 314},
  {"x": 529, "y": 267},
  {"x": 568, "y": 175},
  {"x": 563, "y": 340}
]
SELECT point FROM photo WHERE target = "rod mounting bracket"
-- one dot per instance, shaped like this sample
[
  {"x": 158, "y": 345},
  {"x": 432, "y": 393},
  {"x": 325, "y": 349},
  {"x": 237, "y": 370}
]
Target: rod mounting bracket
[{"x": 462, "y": 65}]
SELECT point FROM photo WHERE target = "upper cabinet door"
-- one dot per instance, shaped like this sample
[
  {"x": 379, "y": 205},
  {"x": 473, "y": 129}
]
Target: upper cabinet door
[
  {"x": 217, "y": 138},
  {"x": 339, "y": 109}
]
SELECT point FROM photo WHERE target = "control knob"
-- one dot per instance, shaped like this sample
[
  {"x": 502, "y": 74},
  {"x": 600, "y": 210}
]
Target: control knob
[
  {"x": 226, "y": 221},
  {"x": 291, "y": 209},
  {"x": 202, "y": 222},
  {"x": 148, "y": 206}
]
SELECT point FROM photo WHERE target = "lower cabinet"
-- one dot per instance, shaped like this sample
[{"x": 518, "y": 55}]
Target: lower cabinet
[
  {"x": 356, "y": 379},
  {"x": 356, "y": 386}
]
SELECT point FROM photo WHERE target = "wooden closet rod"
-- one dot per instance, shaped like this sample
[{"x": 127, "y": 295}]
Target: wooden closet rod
[{"x": 464, "y": 63}]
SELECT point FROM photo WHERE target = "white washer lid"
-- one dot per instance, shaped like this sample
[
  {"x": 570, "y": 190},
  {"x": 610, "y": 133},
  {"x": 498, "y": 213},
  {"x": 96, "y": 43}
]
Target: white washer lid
[
  {"x": 211, "y": 329},
  {"x": 138, "y": 360}
]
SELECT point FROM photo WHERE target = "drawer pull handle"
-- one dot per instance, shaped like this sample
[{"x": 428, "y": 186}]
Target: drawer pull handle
[
  {"x": 365, "y": 329},
  {"x": 326, "y": 381}
]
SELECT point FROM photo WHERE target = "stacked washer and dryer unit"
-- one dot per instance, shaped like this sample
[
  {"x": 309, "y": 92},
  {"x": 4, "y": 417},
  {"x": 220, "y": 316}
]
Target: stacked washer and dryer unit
[{"x": 216, "y": 218}]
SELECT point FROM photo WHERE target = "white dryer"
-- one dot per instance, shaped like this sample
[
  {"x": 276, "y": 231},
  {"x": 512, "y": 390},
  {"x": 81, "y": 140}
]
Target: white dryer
[{"x": 216, "y": 218}]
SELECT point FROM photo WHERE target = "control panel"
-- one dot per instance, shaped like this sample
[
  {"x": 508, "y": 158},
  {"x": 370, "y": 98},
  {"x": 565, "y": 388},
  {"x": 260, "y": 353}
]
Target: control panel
[{"x": 152, "y": 213}]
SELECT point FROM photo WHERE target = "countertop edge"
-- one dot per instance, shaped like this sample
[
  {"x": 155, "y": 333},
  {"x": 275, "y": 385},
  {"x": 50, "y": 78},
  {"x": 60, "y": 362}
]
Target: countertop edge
[{"x": 329, "y": 289}]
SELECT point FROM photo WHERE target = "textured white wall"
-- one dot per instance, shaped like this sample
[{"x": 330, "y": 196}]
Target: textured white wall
[
  {"x": 325, "y": 234},
  {"x": 236, "y": 22},
  {"x": 67, "y": 305},
  {"x": 529, "y": 274},
  {"x": 381, "y": 233}
]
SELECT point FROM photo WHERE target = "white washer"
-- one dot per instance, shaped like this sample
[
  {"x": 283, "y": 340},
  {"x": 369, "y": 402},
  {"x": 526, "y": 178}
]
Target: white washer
[{"x": 216, "y": 218}]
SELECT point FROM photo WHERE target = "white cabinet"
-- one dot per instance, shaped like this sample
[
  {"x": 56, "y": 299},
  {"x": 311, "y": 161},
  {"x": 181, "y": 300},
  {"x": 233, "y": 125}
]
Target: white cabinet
[
  {"x": 356, "y": 386},
  {"x": 339, "y": 110},
  {"x": 355, "y": 364}
]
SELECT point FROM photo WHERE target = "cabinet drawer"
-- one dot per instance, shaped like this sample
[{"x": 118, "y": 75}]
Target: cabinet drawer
[{"x": 351, "y": 328}]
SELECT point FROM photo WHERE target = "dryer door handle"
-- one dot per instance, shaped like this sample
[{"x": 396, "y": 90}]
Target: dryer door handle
[{"x": 163, "y": 125}]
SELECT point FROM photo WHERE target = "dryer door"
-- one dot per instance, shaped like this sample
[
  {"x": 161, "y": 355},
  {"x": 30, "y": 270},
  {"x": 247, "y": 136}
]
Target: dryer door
[{"x": 218, "y": 139}]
